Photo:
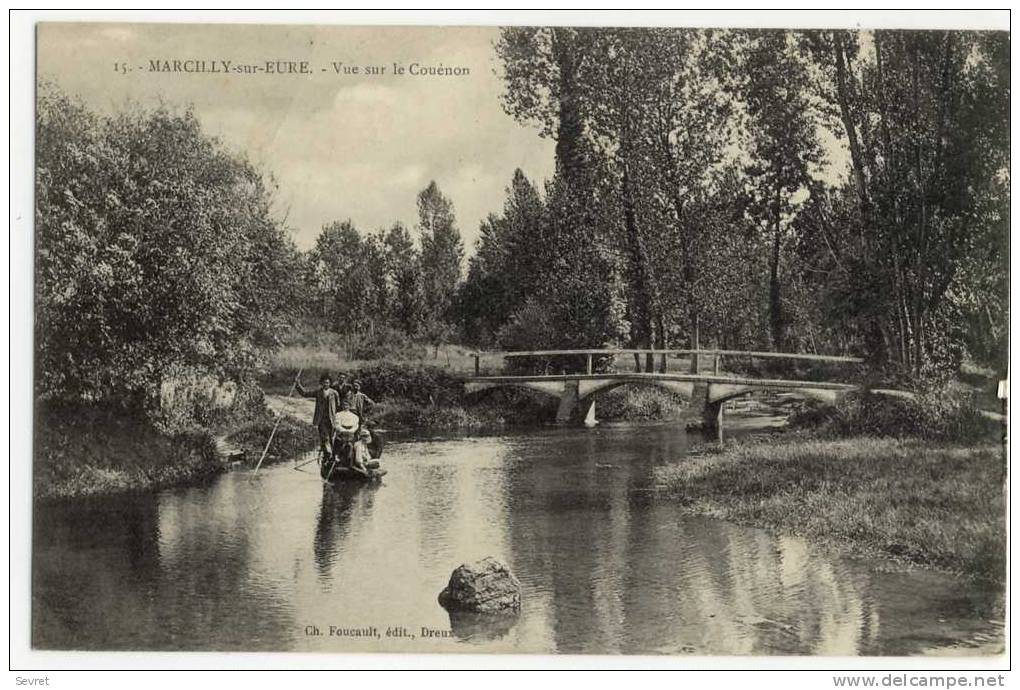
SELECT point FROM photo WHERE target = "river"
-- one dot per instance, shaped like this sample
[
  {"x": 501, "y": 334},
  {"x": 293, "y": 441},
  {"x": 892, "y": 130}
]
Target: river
[{"x": 606, "y": 565}]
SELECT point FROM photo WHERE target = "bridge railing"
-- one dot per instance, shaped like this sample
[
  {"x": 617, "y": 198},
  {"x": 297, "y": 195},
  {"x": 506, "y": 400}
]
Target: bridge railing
[{"x": 694, "y": 355}]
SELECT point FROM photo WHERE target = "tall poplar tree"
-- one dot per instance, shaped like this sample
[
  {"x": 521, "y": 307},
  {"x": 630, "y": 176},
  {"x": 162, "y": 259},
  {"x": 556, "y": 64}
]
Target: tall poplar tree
[{"x": 442, "y": 251}]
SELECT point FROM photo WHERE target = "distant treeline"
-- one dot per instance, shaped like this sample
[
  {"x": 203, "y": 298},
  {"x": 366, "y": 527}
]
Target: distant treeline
[
  {"x": 383, "y": 291},
  {"x": 693, "y": 204}
]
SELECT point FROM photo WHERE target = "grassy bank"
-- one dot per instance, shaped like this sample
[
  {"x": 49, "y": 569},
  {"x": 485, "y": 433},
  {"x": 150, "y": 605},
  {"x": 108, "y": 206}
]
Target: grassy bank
[
  {"x": 86, "y": 451},
  {"x": 323, "y": 352},
  {"x": 917, "y": 480},
  {"x": 939, "y": 505}
]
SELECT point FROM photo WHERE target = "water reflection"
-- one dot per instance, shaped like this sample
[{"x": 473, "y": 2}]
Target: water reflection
[
  {"x": 482, "y": 627},
  {"x": 606, "y": 566},
  {"x": 71, "y": 587},
  {"x": 335, "y": 510}
]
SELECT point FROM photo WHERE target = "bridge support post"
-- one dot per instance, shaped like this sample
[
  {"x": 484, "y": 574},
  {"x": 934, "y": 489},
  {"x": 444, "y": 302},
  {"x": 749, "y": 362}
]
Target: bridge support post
[
  {"x": 712, "y": 416},
  {"x": 710, "y": 413},
  {"x": 699, "y": 398},
  {"x": 568, "y": 402},
  {"x": 588, "y": 407}
]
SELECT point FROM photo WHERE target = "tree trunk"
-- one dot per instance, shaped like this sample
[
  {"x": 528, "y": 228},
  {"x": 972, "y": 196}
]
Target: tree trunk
[
  {"x": 775, "y": 301},
  {"x": 661, "y": 342},
  {"x": 695, "y": 339},
  {"x": 920, "y": 251},
  {"x": 848, "y": 121},
  {"x": 641, "y": 310},
  {"x": 649, "y": 357}
]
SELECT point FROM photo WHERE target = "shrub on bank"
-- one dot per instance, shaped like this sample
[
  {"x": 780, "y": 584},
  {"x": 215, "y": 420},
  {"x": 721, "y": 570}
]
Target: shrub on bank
[
  {"x": 938, "y": 415},
  {"x": 291, "y": 438},
  {"x": 421, "y": 384},
  {"x": 638, "y": 404},
  {"x": 189, "y": 398}
]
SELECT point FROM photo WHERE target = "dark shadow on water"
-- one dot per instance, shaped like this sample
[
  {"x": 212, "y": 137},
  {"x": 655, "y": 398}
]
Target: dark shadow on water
[
  {"x": 340, "y": 503},
  {"x": 482, "y": 627}
]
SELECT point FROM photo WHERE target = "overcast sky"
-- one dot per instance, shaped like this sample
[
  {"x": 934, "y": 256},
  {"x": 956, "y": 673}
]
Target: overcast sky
[{"x": 339, "y": 146}]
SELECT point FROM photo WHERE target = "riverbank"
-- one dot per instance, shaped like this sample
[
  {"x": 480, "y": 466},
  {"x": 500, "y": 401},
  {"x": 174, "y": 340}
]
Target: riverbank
[
  {"x": 935, "y": 504},
  {"x": 100, "y": 451},
  {"x": 413, "y": 397},
  {"x": 109, "y": 449}
]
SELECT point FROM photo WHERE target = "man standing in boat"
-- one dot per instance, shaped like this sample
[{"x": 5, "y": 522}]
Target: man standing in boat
[
  {"x": 359, "y": 403},
  {"x": 327, "y": 401},
  {"x": 342, "y": 385}
]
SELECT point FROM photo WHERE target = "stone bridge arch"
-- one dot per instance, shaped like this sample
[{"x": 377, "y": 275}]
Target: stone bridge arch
[
  {"x": 589, "y": 388},
  {"x": 578, "y": 393},
  {"x": 719, "y": 393}
]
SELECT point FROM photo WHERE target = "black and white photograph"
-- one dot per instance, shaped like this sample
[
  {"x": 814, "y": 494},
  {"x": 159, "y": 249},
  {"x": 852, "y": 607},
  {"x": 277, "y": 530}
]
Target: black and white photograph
[{"x": 663, "y": 341}]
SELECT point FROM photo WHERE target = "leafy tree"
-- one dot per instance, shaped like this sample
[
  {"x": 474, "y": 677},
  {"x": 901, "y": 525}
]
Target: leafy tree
[
  {"x": 925, "y": 117},
  {"x": 783, "y": 147},
  {"x": 156, "y": 250},
  {"x": 441, "y": 254},
  {"x": 403, "y": 271},
  {"x": 641, "y": 119},
  {"x": 357, "y": 292},
  {"x": 508, "y": 264},
  {"x": 544, "y": 73},
  {"x": 662, "y": 110},
  {"x": 335, "y": 258}
]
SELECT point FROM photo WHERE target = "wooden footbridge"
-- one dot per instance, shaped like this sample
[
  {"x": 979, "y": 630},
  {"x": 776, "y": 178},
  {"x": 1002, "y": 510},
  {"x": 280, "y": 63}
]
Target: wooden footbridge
[{"x": 708, "y": 391}]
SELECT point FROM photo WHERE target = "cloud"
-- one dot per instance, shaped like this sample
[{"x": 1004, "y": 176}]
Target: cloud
[
  {"x": 119, "y": 34},
  {"x": 353, "y": 146}
]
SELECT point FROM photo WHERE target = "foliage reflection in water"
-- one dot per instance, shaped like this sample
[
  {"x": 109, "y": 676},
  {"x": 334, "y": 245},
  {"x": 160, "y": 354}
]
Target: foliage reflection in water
[{"x": 606, "y": 566}]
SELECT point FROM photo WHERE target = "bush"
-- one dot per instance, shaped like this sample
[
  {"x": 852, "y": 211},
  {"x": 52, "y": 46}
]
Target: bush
[
  {"x": 528, "y": 328},
  {"x": 291, "y": 437},
  {"x": 189, "y": 398},
  {"x": 157, "y": 248},
  {"x": 109, "y": 448},
  {"x": 937, "y": 414},
  {"x": 798, "y": 370},
  {"x": 424, "y": 385},
  {"x": 636, "y": 404}
]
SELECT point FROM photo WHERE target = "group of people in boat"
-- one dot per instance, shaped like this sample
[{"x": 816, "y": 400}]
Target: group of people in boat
[{"x": 344, "y": 441}]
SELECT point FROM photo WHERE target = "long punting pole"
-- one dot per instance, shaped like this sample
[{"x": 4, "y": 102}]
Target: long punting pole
[{"x": 273, "y": 433}]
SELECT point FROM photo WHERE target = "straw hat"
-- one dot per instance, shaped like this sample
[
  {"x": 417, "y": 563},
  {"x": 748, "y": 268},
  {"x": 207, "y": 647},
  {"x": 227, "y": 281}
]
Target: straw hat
[{"x": 347, "y": 421}]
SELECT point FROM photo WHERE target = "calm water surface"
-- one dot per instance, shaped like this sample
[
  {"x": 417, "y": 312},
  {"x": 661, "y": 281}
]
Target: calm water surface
[{"x": 606, "y": 567}]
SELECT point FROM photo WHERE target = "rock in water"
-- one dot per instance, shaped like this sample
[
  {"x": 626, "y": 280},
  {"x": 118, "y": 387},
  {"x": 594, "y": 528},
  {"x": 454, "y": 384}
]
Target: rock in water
[{"x": 485, "y": 586}]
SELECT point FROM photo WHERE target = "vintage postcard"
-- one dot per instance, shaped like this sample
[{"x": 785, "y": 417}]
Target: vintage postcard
[{"x": 663, "y": 340}]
